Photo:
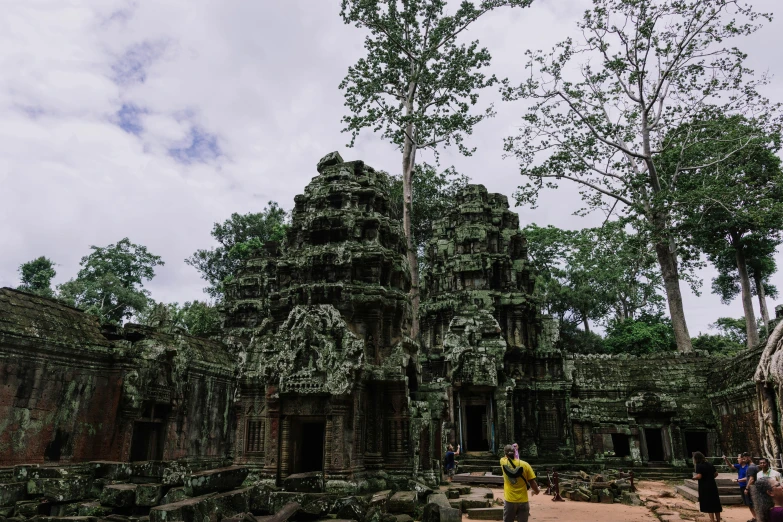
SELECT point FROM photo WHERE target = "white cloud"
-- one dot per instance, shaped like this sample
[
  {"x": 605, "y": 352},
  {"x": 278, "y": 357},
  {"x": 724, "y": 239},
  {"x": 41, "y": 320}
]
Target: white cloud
[{"x": 101, "y": 99}]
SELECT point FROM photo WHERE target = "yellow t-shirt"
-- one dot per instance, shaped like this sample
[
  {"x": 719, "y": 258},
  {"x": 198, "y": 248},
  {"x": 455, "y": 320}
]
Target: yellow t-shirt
[{"x": 516, "y": 492}]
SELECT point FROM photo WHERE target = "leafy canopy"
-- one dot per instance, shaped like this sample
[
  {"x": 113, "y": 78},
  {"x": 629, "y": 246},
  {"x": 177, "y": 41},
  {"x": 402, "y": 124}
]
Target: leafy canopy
[
  {"x": 37, "y": 275},
  {"x": 239, "y": 237},
  {"x": 416, "y": 81},
  {"x": 650, "y": 333},
  {"x": 194, "y": 317},
  {"x": 110, "y": 283}
]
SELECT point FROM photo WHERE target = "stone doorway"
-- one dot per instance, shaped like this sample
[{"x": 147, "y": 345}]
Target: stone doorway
[
  {"x": 147, "y": 443},
  {"x": 653, "y": 438},
  {"x": 307, "y": 444},
  {"x": 476, "y": 424},
  {"x": 696, "y": 441}
]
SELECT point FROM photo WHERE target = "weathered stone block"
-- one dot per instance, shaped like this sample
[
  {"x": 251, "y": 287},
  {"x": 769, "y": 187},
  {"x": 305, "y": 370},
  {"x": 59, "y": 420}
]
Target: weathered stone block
[
  {"x": 111, "y": 470},
  {"x": 421, "y": 489},
  {"x": 605, "y": 496},
  {"x": 315, "y": 509},
  {"x": 439, "y": 510},
  {"x": 491, "y": 513},
  {"x": 305, "y": 482},
  {"x": 64, "y": 510},
  {"x": 333, "y": 158},
  {"x": 31, "y": 508},
  {"x": 188, "y": 510},
  {"x": 473, "y": 502},
  {"x": 402, "y": 502},
  {"x": 148, "y": 494},
  {"x": 232, "y": 503},
  {"x": 12, "y": 493},
  {"x": 381, "y": 498},
  {"x": 452, "y": 493},
  {"x": 119, "y": 495},
  {"x": 174, "y": 495},
  {"x": 351, "y": 508},
  {"x": 404, "y": 518},
  {"x": 214, "y": 480},
  {"x": 93, "y": 509},
  {"x": 60, "y": 489},
  {"x": 24, "y": 472}
]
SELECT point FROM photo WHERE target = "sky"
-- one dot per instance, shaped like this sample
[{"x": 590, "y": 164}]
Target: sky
[{"x": 154, "y": 120}]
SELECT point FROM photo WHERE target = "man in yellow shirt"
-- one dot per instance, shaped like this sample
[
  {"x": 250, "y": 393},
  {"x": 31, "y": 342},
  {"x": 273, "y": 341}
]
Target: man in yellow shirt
[{"x": 517, "y": 474}]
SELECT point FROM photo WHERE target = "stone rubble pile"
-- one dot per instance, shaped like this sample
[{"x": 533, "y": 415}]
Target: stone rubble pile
[{"x": 607, "y": 487}]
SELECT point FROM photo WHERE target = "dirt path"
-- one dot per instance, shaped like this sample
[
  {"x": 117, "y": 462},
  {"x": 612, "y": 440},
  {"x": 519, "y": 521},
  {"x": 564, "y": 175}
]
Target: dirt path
[{"x": 674, "y": 508}]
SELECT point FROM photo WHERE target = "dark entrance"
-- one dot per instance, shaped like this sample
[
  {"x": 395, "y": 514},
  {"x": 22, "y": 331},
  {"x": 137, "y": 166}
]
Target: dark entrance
[
  {"x": 622, "y": 447},
  {"x": 307, "y": 445},
  {"x": 476, "y": 424},
  {"x": 148, "y": 432},
  {"x": 147, "y": 443},
  {"x": 696, "y": 441},
  {"x": 654, "y": 439}
]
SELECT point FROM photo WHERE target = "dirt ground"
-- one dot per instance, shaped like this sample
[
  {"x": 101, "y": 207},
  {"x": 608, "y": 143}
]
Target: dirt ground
[{"x": 674, "y": 508}]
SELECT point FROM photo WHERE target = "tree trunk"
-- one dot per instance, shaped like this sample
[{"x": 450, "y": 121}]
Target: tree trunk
[
  {"x": 747, "y": 301},
  {"x": 586, "y": 323},
  {"x": 762, "y": 300},
  {"x": 408, "y": 162},
  {"x": 671, "y": 283}
]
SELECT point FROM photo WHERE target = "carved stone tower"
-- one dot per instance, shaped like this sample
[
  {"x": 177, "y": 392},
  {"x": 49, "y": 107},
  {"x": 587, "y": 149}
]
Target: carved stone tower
[{"x": 322, "y": 326}]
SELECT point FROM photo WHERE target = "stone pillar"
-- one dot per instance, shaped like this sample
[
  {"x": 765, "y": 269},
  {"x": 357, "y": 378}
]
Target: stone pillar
[{"x": 272, "y": 436}]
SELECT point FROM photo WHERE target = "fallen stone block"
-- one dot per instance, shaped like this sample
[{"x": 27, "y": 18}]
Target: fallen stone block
[
  {"x": 64, "y": 510},
  {"x": 182, "y": 511},
  {"x": 232, "y": 503},
  {"x": 12, "y": 493},
  {"x": 404, "y": 518},
  {"x": 60, "y": 489},
  {"x": 214, "y": 480},
  {"x": 305, "y": 482},
  {"x": 93, "y": 509},
  {"x": 490, "y": 513},
  {"x": 439, "y": 510},
  {"x": 381, "y": 498},
  {"x": 111, "y": 470},
  {"x": 148, "y": 494},
  {"x": 352, "y": 508},
  {"x": 315, "y": 509},
  {"x": 452, "y": 493},
  {"x": 421, "y": 489},
  {"x": 31, "y": 508},
  {"x": 24, "y": 472},
  {"x": 119, "y": 495},
  {"x": 402, "y": 502},
  {"x": 174, "y": 495},
  {"x": 472, "y": 502}
]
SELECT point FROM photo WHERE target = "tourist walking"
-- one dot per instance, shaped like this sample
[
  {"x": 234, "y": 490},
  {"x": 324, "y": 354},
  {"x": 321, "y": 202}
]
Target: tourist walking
[
  {"x": 709, "y": 497},
  {"x": 768, "y": 499},
  {"x": 449, "y": 463},
  {"x": 518, "y": 476},
  {"x": 766, "y": 471}
]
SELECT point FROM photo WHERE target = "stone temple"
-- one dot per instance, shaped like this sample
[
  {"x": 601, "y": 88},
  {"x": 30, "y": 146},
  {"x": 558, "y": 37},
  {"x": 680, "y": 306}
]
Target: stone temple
[{"x": 315, "y": 384}]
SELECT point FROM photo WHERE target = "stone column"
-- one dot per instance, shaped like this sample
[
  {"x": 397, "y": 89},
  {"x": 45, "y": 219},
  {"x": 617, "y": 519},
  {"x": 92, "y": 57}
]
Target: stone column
[{"x": 272, "y": 436}]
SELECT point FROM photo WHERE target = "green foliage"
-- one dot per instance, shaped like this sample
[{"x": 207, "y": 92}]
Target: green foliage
[
  {"x": 574, "y": 340},
  {"x": 761, "y": 263},
  {"x": 647, "y": 334},
  {"x": 194, "y": 317},
  {"x": 239, "y": 237},
  {"x": 37, "y": 275},
  {"x": 604, "y": 105},
  {"x": 435, "y": 197},
  {"x": 716, "y": 344},
  {"x": 594, "y": 273},
  {"x": 110, "y": 283},
  {"x": 415, "y": 81}
]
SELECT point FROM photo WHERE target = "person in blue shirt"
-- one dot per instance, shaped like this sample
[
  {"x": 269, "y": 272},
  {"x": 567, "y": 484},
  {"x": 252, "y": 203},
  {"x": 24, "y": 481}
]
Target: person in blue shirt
[
  {"x": 743, "y": 460},
  {"x": 448, "y": 461}
]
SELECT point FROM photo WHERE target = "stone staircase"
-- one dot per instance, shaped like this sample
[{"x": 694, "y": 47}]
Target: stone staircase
[
  {"x": 475, "y": 461},
  {"x": 728, "y": 490}
]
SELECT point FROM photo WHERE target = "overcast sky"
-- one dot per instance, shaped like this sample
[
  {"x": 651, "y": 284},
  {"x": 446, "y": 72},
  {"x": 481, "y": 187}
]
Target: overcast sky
[{"x": 155, "y": 119}]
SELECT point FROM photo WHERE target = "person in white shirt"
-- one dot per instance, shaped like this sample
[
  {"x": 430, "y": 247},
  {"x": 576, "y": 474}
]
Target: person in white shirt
[{"x": 766, "y": 471}]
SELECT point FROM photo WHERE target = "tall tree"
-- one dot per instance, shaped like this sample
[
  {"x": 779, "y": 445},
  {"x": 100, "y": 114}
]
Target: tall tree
[
  {"x": 37, "y": 275},
  {"x": 730, "y": 208},
  {"x": 194, "y": 317},
  {"x": 110, "y": 282},
  {"x": 761, "y": 266},
  {"x": 417, "y": 85},
  {"x": 436, "y": 193},
  {"x": 238, "y": 237},
  {"x": 604, "y": 103}
]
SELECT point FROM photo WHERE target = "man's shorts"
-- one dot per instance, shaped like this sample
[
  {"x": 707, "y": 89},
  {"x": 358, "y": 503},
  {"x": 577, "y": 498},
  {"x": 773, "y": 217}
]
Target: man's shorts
[
  {"x": 746, "y": 497},
  {"x": 516, "y": 511},
  {"x": 450, "y": 472}
]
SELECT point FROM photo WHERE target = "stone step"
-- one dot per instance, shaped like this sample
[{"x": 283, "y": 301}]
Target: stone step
[
  {"x": 692, "y": 494},
  {"x": 490, "y": 513},
  {"x": 723, "y": 487}
]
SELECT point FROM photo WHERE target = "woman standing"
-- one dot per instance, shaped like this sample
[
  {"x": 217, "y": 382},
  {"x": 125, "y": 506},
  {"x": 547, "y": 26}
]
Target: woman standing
[{"x": 709, "y": 499}]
